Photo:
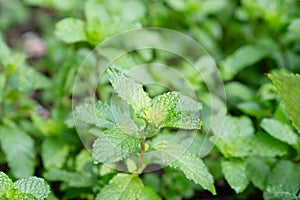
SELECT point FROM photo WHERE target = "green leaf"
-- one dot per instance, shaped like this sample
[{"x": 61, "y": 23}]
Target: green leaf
[
  {"x": 83, "y": 159},
  {"x": 283, "y": 181},
  {"x": 236, "y": 90},
  {"x": 122, "y": 187},
  {"x": 98, "y": 113},
  {"x": 243, "y": 57},
  {"x": 163, "y": 110},
  {"x": 19, "y": 151},
  {"x": 4, "y": 50},
  {"x": 236, "y": 174},
  {"x": 291, "y": 99},
  {"x": 192, "y": 166},
  {"x": 5, "y": 183},
  {"x": 14, "y": 193},
  {"x": 284, "y": 172},
  {"x": 116, "y": 144},
  {"x": 35, "y": 186},
  {"x": 153, "y": 181},
  {"x": 49, "y": 127},
  {"x": 70, "y": 30},
  {"x": 29, "y": 79},
  {"x": 54, "y": 153},
  {"x": 149, "y": 194},
  {"x": 250, "y": 108},
  {"x": 280, "y": 131},
  {"x": 102, "y": 115},
  {"x": 95, "y": 13},
  {"x": 25, "y": 196},
  {"x": 295, "y": 25},
  {"x": 129, "y": 90},
  {"x": 259, "y": 170},
  {"x": 236, "y": 137},
  {"x": 281, "y": 192},
  {"x": 265, "y": 145},
  {"x": 174, "y": 110},
  {"x": 72, "y": 179}
]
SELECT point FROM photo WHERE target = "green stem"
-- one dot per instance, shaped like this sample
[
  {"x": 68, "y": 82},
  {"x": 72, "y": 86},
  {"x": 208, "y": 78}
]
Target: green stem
[
  {"x": 142, "y": 155},
  {"x": 3, "y": 100}
]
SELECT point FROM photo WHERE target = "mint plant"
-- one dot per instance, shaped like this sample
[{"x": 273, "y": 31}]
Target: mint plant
[
  {"x": 32, "y": 188},
  {"x": 125, "y": 134},
  {"x": 291, "y": 99},
  {"x": 256, "y": 156}
]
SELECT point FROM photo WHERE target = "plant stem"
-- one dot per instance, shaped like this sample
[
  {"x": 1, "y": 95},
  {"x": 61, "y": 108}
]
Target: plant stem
[
  {"x": 2, "y": 103},
  {"x": 142, "y": 155}
]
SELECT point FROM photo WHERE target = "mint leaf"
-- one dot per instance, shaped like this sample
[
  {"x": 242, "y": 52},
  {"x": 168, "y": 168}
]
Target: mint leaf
[
  {"x": 70, "y": 30},
  {"x": 189, "y": 110},
  {"x": 265, "y": 145},
  {"x": 29, "y": 79},
  {"x": 284, "y": 172},
  {"x": 283, "y": 181},
  {"x": 129, "y": 90},
  {"x": 191, "y": 165},
  {"x": 259, "y": 170},
  {"x": 102, "y": 115},
  {"x": 163, "y": 110},
  {"x": 54, "y": 153},
  {"x": 280, "y": 131},
  {"x": 71, "y": 179},
  {"x": 122, "y": 187},
  {"x": 149, "y": 194},
  {"x": 98, "y": 114},
  {"x": 236, "y": 174},
  {"x": 294, "y": 26},
  {"x": 95, "y": 13},
  {"x": 174, "y": 110},
  {"x": 236, "y": 137},
  {"x": 25, "y": 196},
  {"x": 33, "y": 185},
  {"x": 19, "y": 151},
  {"x": 281, "y": 192},
  {"x": 115, "y": 144},
  {"x": 5, "y": 183},
  {"x": 291, "y": 99},
  {"x": 4, "y": 50},
  {"x": 242, "y": 58}
]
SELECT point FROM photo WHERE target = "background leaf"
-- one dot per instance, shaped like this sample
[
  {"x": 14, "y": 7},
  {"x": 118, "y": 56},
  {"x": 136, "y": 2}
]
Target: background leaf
[
  {"x": 20, "y": 158},
  {"x": 236, "y": 174},
  {"x": 70, "y": 30},
  {"x": 265, "y": 145},
  {"x": 54, "y": 153},
  {"x": 236, "y": 137},
  {"x": 280, "y": 131},
  {"x": 71, "y": 179},
  {"x": 258, "y": 170},
  {"x": 241, "y": 58},
  {"x": 149, "y": 194},
  {"x": 283, "y": 181}
]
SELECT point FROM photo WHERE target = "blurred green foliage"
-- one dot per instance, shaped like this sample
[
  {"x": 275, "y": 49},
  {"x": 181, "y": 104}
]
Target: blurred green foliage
[{"x": 259, "y": 147}]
